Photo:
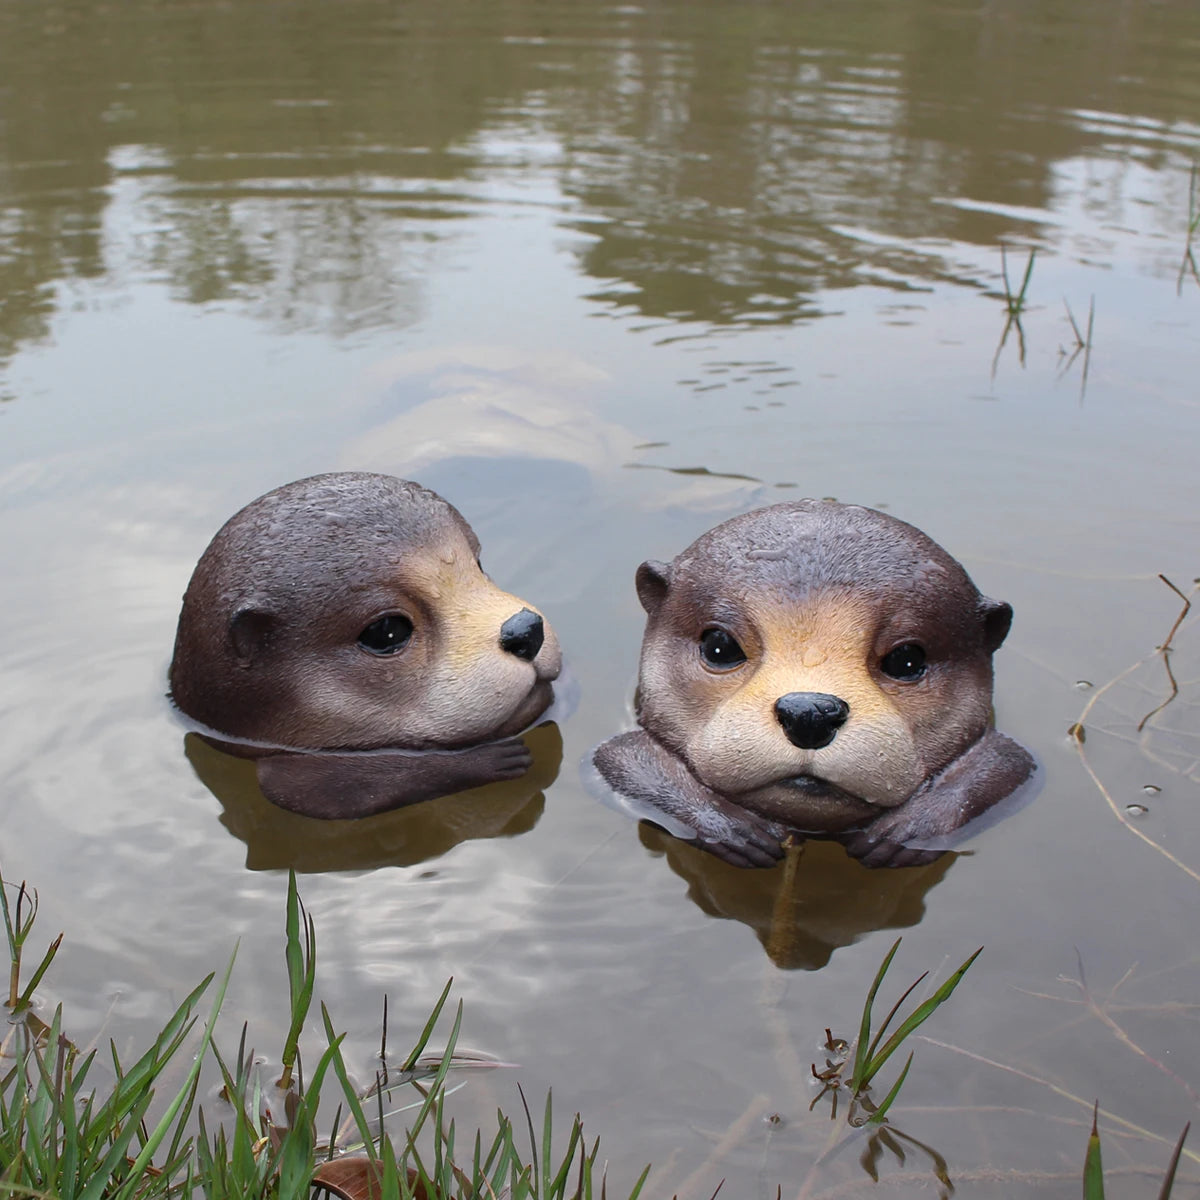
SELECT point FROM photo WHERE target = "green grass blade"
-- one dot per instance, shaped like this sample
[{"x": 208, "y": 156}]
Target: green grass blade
[
  {"x": 446, "y": 1163},
  {"x": 503, "y": 1154},
  {"x": 164, "y": 1126},
  {"x": 864, "y": 1029},
  {"x": 1028, "y": 273},
  {"x": 918, "y": 1017},
  {"x": 435, "y": 1087},
  {"x": 16, "y": 931},
  {"x": 1093, "y": 1172},
  {"x": 27, "y": 995},
  {"x": 352, "y": 1100},
  {"x": 877, "y": 1116},
  {"x": 300, "y": 955},
  {"x": 641, "y": 1183},
  {"x": 298, "y": 1151},
  {"x": 557, "y": 1186},
  {"x": 390, "y": 1175},
  {"x": 143, "y": 1072},
  {"x": 293, "y": 953},
  {"x": 178, "y": 1145},
  {"x": 411, "y": 1061},
  {"x": 547, "y": 1133},
  {"x": 533, "y": 1150},
  {"x": 8, "y": 925},
  {"x": 99, "y": 1183},
  {"x": 883, "y": 1028}
]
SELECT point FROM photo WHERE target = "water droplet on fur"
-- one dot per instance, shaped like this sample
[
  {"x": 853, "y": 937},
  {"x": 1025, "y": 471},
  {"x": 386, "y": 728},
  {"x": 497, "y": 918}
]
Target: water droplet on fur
[
  {"x": 1083, "y": 685},
  {"x": 1151, "y": 789},
  {"x": 1136, "y": 810}
]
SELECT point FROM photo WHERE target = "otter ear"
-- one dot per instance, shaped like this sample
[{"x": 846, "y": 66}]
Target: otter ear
[
  {"x": 997, "y": 620},
  {"x": 250, "y": 631},
  {"x": 652, "y": 580}
]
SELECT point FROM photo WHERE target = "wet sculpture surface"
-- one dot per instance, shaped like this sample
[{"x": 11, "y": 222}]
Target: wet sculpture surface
[
  {"x": 814, "y": 668},
  {"x": 349, "y": 613}
]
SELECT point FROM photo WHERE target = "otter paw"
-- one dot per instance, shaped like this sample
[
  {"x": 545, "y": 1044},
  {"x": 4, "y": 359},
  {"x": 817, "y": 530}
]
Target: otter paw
[
  {"x": 740, "y": 838},
  {"x": 509, "y": 759},
  {"x": 872, "y": 850}
]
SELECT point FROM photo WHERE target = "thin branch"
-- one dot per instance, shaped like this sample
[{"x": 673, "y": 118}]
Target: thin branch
[{"x": 1165, "y": 650}]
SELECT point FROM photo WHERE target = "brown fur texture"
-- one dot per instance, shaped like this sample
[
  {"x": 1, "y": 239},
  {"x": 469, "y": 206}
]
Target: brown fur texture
[
  {"x": 268, "y": 653},
  {"x": 816, "y": 595}
]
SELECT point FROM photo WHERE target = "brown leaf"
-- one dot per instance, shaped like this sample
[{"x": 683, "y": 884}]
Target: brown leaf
[{"x": 356, "y": 1177}]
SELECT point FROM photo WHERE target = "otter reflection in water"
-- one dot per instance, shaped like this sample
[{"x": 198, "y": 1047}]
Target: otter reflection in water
[
  {"x": 806, "y": 907},
  {"x": 820, "y": 669},
  {"x": 350, "y": 612},
  {"x": 277, "y": 839}
]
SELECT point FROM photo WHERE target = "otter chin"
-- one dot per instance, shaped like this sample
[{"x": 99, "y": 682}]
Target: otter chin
[
  {"x": 815, "y": 668},
  {"x": 811, "y": 785},
  {"x": 350, "y": 612}
]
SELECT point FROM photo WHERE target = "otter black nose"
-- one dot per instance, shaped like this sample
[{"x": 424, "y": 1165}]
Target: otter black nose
[
  {"x": 811, "y": 719},
  {"x": 523, "y": 634}
]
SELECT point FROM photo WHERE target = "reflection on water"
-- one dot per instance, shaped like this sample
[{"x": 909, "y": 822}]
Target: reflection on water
[
  {"x": 802, "y": 910},
  {"x": 728, "y": 166},
  {"x": 277, "y": 839},
  {"x": 605, "y": 275}
]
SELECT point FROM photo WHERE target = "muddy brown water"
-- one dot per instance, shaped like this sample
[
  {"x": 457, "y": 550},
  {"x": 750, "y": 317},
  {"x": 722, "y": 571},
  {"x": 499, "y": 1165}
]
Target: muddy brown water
[{"x": 605, "y": 275}]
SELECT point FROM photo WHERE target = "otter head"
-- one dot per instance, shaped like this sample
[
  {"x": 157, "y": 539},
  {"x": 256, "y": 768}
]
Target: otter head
[
  {"x": 350, "y": 611},
  {"x": 814, "y": 649}
]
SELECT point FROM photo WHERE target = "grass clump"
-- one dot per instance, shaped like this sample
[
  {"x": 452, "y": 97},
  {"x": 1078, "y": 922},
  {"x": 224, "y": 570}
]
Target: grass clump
[
  {"x": 869, "y": 1055},
  {"x": 62, "y": 1135},
  {"x": 57, "y": 1137},
  {"x": 17, "y": 929},
  {"x": 853, "y": 1074}
]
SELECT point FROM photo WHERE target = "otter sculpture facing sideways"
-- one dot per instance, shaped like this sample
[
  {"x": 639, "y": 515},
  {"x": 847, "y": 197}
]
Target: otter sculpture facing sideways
[
  {"x": 815, "y": 668},
  {"x": 349, "y": 612}
]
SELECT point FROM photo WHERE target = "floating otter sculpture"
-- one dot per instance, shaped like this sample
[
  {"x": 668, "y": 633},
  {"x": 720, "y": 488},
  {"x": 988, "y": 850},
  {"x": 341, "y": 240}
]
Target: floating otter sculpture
[
  {"x": 346, "y": 613},
  {"x": 815, "y": 668}
]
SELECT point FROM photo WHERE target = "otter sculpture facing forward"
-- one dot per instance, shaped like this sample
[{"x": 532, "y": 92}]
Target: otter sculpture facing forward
[
  {"x": 815, "y": 668},
  {"x": 346, "y": 613}
]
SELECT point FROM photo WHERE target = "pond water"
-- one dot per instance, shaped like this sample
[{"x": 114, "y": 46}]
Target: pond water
[{"x": 604, "y": 275}]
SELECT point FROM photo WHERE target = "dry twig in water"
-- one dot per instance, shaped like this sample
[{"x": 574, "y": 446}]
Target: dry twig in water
[{"x": 1078, "y": 730}]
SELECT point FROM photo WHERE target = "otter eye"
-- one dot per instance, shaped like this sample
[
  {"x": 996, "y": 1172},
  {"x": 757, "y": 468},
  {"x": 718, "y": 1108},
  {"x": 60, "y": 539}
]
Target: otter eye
[
  {"x": 720, "y": 649},
  {"x": 904, "y": 662},
  {"x": 387, "y": 635}
]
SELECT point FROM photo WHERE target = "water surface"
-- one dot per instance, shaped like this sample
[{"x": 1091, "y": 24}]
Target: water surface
[{"x": 605, "y": 275}]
